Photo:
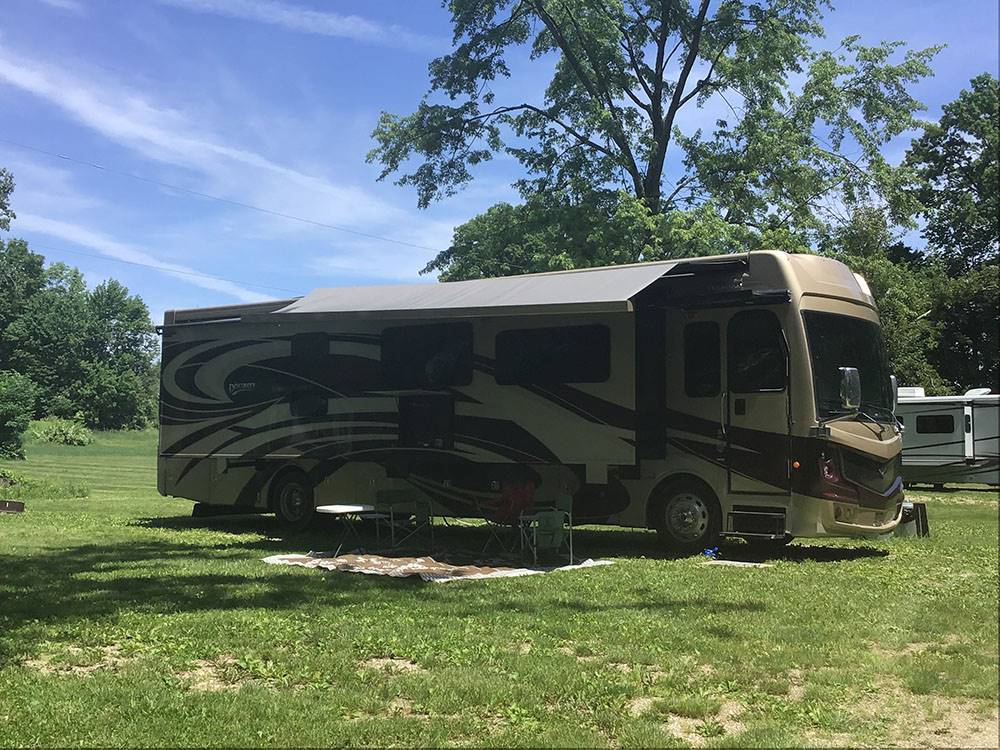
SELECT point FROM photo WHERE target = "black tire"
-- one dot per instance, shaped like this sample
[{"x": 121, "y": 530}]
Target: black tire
[
  {"x": 687, "y": 516},
  {"x": 292, "y": 501}
]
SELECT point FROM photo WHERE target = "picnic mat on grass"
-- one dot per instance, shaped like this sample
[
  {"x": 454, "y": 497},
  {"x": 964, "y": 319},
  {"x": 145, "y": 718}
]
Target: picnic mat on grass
[{"x": 427, "y": 568}]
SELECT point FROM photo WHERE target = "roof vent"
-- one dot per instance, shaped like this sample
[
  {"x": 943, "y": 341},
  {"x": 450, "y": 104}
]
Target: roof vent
[
  {"x": 911, "y": 392},
  {"x": 978, "y": 392}
]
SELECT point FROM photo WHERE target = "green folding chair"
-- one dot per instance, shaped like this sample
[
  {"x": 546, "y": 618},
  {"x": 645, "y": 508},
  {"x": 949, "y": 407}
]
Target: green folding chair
[
  {"x": 549, "y": 530},
  {"x": 405, "y": 512}
]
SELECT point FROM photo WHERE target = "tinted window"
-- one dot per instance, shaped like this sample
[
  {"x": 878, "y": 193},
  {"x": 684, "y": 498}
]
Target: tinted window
[
  {"x": 428, "y": 356},
  {"x": 837, "y": 341},
  {"x": 756, "y": 352},
  {"x": 702, "y": 359},
  {"x": 942, "y": 424},
  {"x": 577, "y": 354}
]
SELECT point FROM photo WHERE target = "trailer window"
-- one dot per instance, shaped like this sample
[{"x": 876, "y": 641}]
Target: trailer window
[
  {"x": 427, "y": 356},
  {"x": 756, "y": 352},
  {"x": 935, "y": 424},
  {"x": 702, "y": 359},
  {"x": 539, "y": 356}
]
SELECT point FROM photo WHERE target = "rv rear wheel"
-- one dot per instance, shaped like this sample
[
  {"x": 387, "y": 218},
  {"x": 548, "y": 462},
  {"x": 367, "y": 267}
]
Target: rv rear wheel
[
  {"x": 292, "y": 501},
  {"x": 687, "y": 516}
]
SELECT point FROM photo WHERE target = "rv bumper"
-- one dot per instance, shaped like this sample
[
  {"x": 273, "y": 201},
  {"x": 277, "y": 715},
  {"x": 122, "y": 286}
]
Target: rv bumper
[{"x": 814, "y": 517}]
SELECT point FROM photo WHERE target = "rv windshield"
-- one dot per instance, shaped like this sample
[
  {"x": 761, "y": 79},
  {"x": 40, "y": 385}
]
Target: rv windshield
[{"x": 837, "y": 341}]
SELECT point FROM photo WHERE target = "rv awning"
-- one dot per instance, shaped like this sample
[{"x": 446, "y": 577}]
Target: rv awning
[{"x": 607, "y": 289}]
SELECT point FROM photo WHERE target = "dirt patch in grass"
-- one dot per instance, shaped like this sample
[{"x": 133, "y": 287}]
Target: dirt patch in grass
[
  {"x": 696, "y": 731},
  {"x": 919, "y": 647},
  {"x": 948, "y": 722},
  {"x": 392, "y": 664},
  {"x": 639, "y": 706},
  {"x": 213, "y": 675},
  {"x": 927, "y": 721},
  {"x": 796, "y": 685},
  {"x": 587, "y": 658},
  {"x": 110, "y": 658}
]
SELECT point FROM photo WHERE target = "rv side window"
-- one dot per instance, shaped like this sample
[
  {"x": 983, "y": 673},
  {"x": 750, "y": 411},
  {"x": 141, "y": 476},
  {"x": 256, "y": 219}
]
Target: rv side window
[
  {"x": 756, "y": 352},
  {"x": 935, "y": 424},
  {"x": 540, "y": 356},
  {"x": 427, "y": 356},
  {"x": 702, "y": 359}
]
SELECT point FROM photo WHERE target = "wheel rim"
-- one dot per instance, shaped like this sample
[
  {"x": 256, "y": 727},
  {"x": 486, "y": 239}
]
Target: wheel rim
[
  {"x": 687, "y": 516},
  {"x": 292, "y": 501}
]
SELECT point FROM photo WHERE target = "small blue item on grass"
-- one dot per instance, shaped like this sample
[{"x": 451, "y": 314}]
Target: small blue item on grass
[{"x": 712, "y": 553}]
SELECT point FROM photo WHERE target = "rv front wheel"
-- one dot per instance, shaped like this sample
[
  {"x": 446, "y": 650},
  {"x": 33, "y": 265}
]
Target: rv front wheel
[
  {"x": 292, "y": 500},
  {"x": 687, "y": 516}
]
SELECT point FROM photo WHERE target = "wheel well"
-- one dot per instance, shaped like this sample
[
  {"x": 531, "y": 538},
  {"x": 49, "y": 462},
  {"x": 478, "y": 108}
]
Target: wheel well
[
  {"x": 280, "y": 474},
  {"x": 657, "y": 493}
]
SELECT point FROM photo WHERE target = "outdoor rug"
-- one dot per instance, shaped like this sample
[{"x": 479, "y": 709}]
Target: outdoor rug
[{"x": 427, "y": 568}]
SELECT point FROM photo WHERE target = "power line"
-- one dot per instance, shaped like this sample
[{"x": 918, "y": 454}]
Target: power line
[
  {"x": 220, "y": 199},
  {"x": 162, "y": 269}
]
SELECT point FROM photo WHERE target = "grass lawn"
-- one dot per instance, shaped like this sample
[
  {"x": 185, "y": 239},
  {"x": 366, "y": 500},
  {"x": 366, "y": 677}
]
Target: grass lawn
[{"x": 124, "y": 622}]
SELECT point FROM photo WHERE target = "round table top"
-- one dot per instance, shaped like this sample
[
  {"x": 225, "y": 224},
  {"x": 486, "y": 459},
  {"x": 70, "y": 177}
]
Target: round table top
[{"x": 344, "y": 510}]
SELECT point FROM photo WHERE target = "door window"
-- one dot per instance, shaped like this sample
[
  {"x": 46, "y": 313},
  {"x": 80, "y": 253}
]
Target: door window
[
  {"x": 702, "y": 359},
  {"x": 756, "y": 352}
]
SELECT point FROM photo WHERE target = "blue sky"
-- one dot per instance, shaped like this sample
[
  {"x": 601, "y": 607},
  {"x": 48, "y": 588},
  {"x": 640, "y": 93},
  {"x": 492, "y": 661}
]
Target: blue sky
[{"x": 272, "y": 103}]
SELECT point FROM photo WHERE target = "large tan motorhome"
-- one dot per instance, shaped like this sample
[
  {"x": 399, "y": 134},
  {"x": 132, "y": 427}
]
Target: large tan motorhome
[{"x": 738, "y": 395}]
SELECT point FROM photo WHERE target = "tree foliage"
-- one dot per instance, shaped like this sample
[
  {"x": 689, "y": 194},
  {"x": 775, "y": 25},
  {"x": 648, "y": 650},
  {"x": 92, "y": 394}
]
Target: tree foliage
[
  {"x": 6, "y": 188},
  {"x": 957, "y": 161},
  {"x": 17, "y": 396},
  {"x": 87, "y": 352},
  {"x": 967, "y": 309},
  {"x": 626, "y": 76}
]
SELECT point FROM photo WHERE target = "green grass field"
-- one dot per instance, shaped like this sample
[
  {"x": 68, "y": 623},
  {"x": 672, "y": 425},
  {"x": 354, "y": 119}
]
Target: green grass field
[{"x": 124, "y": 622}]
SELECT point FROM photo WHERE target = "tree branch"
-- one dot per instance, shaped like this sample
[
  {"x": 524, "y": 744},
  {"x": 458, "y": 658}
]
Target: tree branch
[
  {"x": 619, "y": 138},
  {"x": 548, "y": 116}
]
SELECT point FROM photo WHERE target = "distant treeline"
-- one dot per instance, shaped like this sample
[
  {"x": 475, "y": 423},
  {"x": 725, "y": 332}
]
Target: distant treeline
[{"x": 68, "y": 351}]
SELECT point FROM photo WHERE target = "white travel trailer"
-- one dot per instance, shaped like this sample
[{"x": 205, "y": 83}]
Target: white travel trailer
[
  {"x": 950, "y": 439},
  {"x": 739, "y": 395}
]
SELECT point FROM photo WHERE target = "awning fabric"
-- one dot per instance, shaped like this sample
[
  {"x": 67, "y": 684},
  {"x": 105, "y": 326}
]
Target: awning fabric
[{"x": 606, "y": 289}]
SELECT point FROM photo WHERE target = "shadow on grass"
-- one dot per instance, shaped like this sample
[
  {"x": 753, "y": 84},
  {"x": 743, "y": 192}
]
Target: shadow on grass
[
  {"x": 801, "y": 553},
  {"x": 464, "y": 544},
  {"x": 928, "y": 488},
  {"x": 53, "y": 590},
  {"x": 458, "y": 538}
]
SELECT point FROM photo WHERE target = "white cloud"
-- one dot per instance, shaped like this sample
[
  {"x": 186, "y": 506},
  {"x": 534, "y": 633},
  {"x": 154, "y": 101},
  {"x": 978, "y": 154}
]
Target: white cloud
[
  {"x": 166, "y": 135},
  {"x": 309, "y": 21},
  {"x": 72, "y": 5},
  {"x": 85, "y": 237}
]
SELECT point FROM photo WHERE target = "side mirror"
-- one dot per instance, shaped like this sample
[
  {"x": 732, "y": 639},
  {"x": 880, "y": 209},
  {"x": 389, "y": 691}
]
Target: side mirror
[
  {"x": 850, "y": 388},
  {"x": 894, "y": 384}
]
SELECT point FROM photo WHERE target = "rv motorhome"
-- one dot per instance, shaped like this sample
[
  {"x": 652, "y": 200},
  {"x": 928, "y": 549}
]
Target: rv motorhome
[
  {"x": 742, "y": 395},
  {"x": 950, "y": 439}
]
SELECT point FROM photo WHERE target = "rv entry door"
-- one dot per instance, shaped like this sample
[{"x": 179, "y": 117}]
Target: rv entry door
[{"x": 757, "y": 405}]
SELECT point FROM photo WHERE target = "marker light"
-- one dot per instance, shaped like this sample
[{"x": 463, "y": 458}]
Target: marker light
[{"x": 796, "y": 465}]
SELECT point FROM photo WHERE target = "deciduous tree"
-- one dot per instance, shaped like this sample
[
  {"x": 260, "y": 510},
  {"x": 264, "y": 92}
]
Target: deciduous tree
[
  {"x": 801, "y": 125},
  {"x": 957, "y": 160}
]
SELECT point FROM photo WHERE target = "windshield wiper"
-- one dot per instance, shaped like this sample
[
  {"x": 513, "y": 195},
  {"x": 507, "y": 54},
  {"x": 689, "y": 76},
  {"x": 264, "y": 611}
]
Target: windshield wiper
[{"x": 870, "y": 418}]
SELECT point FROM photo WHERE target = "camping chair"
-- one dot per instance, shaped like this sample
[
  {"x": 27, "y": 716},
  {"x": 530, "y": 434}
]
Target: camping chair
[
  {"x": 549, "y": 528},
  {"x": 393, "y": 511},
  {"x": 502, "y": 522},
  {"x": 547, "y": 531},
  {"x": 420, "y": 522}
]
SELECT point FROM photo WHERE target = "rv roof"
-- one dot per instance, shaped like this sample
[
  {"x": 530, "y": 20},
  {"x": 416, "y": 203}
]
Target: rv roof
[{"x": 606, "y": 289}]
